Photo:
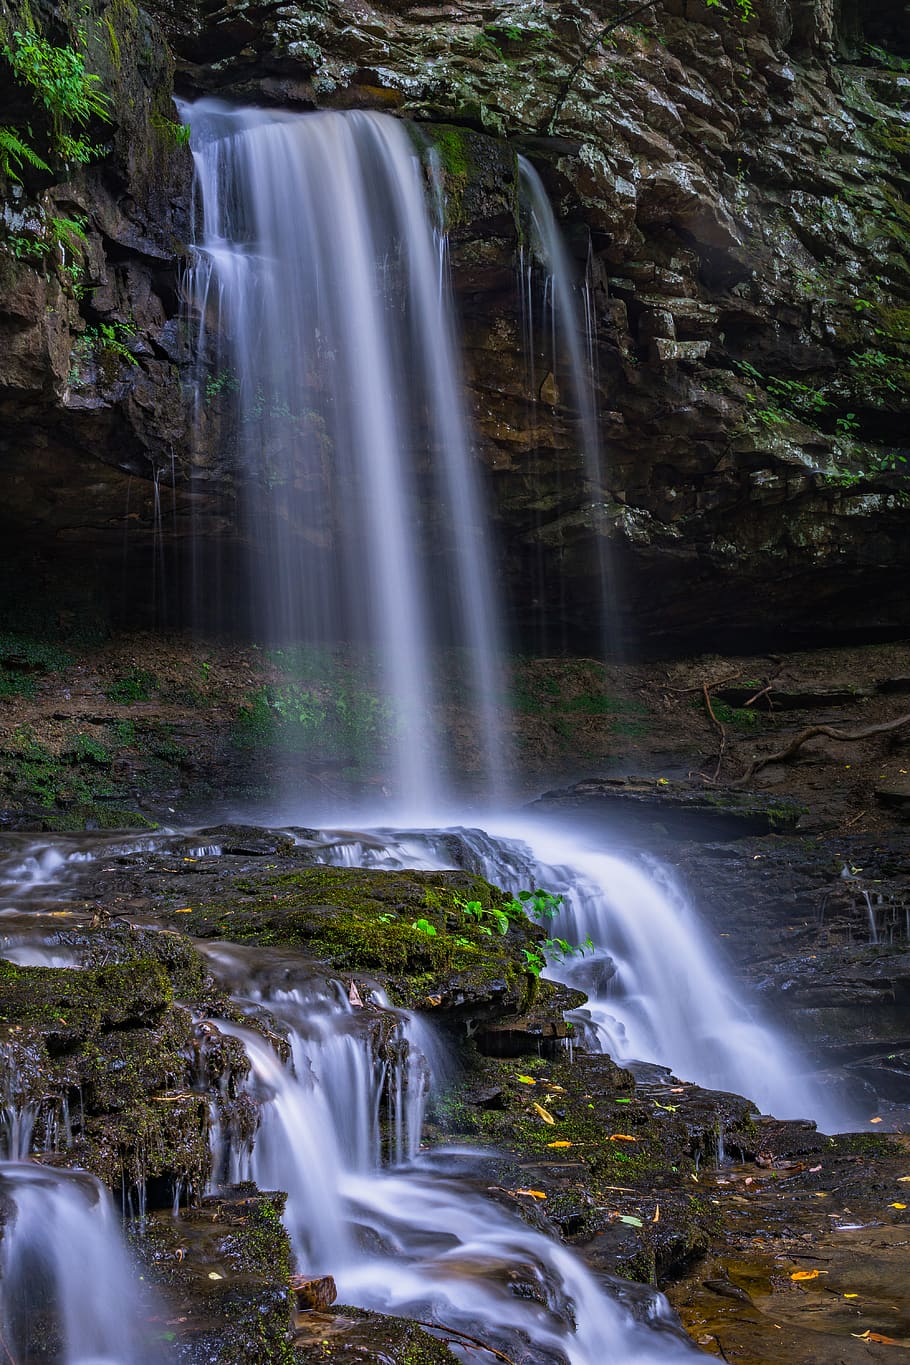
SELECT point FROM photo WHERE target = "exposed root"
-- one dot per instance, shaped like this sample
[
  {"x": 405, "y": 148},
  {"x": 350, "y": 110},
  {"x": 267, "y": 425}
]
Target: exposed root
[{"x": 785, "y": 754}]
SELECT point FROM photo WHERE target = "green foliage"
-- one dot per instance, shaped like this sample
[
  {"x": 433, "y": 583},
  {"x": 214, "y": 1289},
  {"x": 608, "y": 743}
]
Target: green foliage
[
  {"x": 31, "y": 652},
  {"x": 222, "y": 381},
  {"x": 556, "y": 950},
  {"x": 745, "y": 8},
  {"x": 137, "y": 685},
  {"x": 85, "y": 749},
  {"x": 344, "y": 722},
  {"x": 14, "y": 154},
  {"x": 58, "y": 78},
  {"x": 176, "y": 134},
  {"x": 69, "y": 96},
  {"x": 103, "y": 345},
  {"x": 539, "y": 905},
  {"x": 882, "y": 57},
  {"x": 877, "y": 374}
]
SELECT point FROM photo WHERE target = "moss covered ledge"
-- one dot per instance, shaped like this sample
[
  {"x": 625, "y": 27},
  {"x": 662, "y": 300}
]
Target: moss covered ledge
[{"x": 413, "y": 932}]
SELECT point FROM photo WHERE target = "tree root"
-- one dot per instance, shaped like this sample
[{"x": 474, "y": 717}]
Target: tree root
[{"x": 845, "y": 736}]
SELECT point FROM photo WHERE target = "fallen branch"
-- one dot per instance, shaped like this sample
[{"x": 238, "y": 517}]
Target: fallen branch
[
  {"x": 845, "y": 736},
  {"x": 463, "y": 1336}
]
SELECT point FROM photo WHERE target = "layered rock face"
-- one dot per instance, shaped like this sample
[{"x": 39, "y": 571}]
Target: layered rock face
[{"x": 732, "y": 179}]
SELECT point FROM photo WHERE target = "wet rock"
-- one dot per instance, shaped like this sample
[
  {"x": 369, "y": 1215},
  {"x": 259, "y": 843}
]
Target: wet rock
[
  {"x": 314, "y": 1293},
  {"x": 224, "y": 1270},
  {"x": 672, "y": 810}
]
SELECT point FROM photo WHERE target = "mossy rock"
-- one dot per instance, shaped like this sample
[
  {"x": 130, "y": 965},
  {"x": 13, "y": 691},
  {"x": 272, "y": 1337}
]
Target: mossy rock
[
  {"x": 406, "y": 929},
  {"x": 224, "y": 1269}
]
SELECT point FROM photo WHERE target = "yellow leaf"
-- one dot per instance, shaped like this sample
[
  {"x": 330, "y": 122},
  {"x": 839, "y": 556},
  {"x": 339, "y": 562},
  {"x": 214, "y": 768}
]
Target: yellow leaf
[
  {"x": 903, "y": 1180},
  {"x": 535, "y": 1194},
  {"x": 213, "y": 1275},
  {"x": 851, "y": 1296},
  {"x": 897, "y": 1206},
  {"x": 526, "y": 1080},
  {"x": 656, "y": 1218},
  {"x": 187, "y": 910},
  {"x": 805, "y": 1274},
  {"x": 876, "y": 1120},
  {"x": 547, "y": 1118},
  {"x": 559, "y": 1144},
  {"x": 622, "y": 1137},
  {"x": 558, "y": 1089}
]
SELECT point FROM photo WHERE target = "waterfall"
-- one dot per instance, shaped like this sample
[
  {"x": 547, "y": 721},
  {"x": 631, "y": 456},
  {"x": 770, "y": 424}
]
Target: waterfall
[
  {"x": 323, "y": 316},
  {"x": 417, "y": 1239},
  {"x": 657, "y": 991},
  {"x": 568, "y": 326},
  {"x": 65, "y": 1289}
]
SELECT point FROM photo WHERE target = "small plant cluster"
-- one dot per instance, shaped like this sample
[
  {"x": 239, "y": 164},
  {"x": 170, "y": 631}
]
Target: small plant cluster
[
  {"x": 102, "y": 344},
  {"x": 346, "y": 722},
  {"x": 492, "y": 920},
  {"x": 68, "y": 95},
  {"x": 59, "y": 238},
  {"x": 745, "y": 8}
]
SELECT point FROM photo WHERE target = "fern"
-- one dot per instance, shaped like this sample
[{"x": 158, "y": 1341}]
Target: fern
[{"x": 14, "y": 153}]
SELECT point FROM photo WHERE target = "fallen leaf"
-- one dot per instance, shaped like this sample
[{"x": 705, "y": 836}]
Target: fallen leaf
[
  {"x": 213, "y": 1275},
  {"x": 814, "y": 1170},
  {"x": 558, "y": 1089},
  {"x": 547, "y": 1118},
  {"x": 354, "y": 996},
  {"x": 631, "y": 1219},
  {"x": 622, "y": 1137},
  {"x": 875, "y": 1120},
  {"x": 897, "y": 1206},
  {"x": 535, "y": 1194},
  {"x": 851, "y": 1296},
  {"x": 187, "y": 910},
  {"x": 876, "y": 1336},
  {"x": 562, "y": 1143},
  {"x": 903, "y": 1179},
  {"x": 805, "y": 1274},
  {"x": 526, "y": 1080},
  {"x": 656, "y": 1218}
]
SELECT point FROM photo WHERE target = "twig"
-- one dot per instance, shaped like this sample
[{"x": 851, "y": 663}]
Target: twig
[
  {"x": 586, "y": 52},
  {"x": 847, "y": 737},
  {"x": 454, "y": 1331},
  {"x": 764, "y": 692},
  {"x": 9, "y": 1355},
  {"x": 720, "y": 729}
]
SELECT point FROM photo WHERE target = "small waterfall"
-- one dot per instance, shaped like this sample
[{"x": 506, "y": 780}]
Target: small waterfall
[
  {"x": 568, "y": 323},
  {"x": 66, "y": 1293},
  {"x": 324, "y": 310},
  {"x": 417, "y": 1239},
  {"x": 656, "y": 990}
]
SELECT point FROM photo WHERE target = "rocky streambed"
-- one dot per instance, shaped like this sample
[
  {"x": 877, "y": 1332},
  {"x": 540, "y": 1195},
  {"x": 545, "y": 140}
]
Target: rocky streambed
[{"x": 136, "y": 966}]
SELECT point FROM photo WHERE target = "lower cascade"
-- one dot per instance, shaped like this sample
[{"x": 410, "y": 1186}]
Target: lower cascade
[
  {"x": 420, "y": 1238},
  {"x": 338, "y": 1085}
]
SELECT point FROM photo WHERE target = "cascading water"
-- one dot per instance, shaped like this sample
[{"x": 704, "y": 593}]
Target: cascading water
[
  {"x": 656, "y": 990},
  {"x": 65, "y": 1289},
  {"x": 418, "y": 1239},
  {"x": 567, "y": 329},
  {"x": 321, "y": 304}
]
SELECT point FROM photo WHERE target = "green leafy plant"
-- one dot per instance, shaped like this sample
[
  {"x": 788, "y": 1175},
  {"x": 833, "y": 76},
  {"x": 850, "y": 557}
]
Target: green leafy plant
[
  {"x": 539, "y": 905},
  {"x": 58, "y": 77},
  {"x": 137, "y": 685},
  {"x": 15, "y": 154},
  {"x": 423, "y": 926}
]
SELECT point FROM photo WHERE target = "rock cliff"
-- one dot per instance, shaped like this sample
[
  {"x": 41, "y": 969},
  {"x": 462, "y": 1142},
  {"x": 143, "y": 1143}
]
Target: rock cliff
[{"x": 731, "y": 176}]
